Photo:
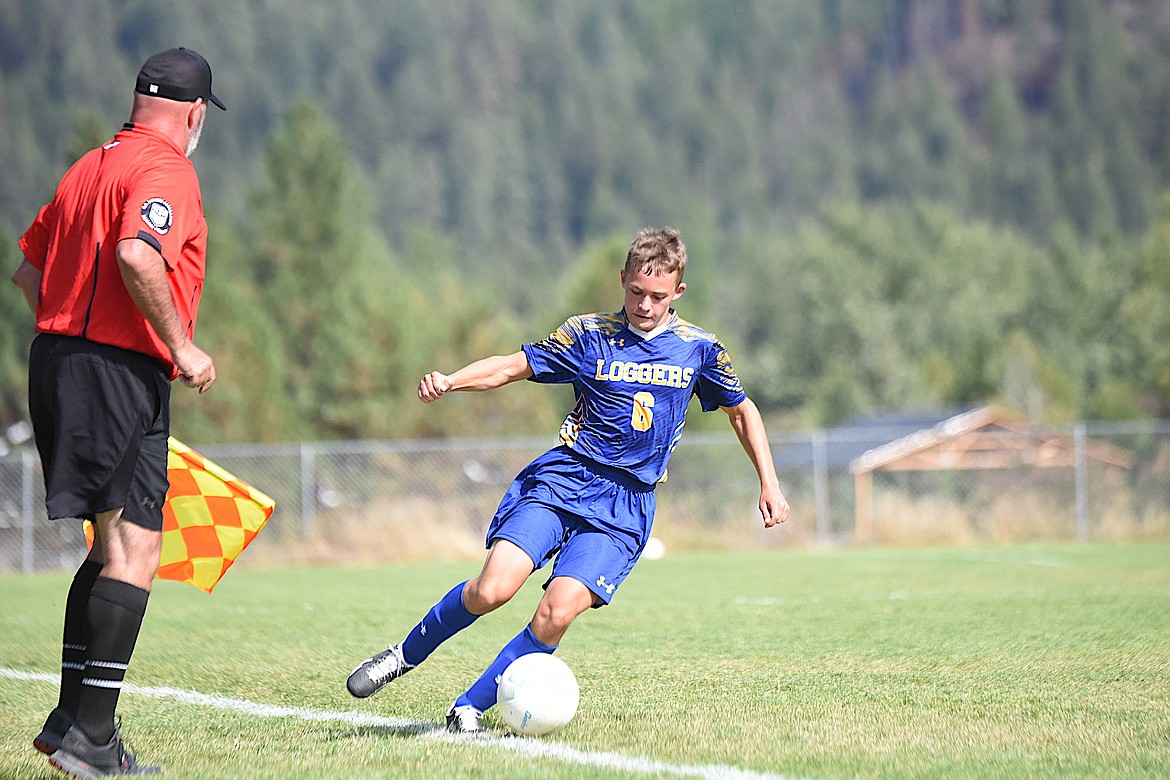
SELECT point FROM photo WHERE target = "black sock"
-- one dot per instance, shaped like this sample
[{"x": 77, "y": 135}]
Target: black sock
[
  {"x": 114, "y": 617},
  {"x": 74, "y": 638}
]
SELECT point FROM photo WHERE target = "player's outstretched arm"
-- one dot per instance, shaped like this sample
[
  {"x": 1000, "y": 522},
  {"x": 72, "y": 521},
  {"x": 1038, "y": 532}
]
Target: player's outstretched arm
[
  {"x": 486, "y": 374},
  {"x": 749, "y": 427}
]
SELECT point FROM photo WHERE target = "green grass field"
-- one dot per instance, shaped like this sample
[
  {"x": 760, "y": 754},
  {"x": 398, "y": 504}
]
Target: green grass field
[{"x": 1037, "y": 661}]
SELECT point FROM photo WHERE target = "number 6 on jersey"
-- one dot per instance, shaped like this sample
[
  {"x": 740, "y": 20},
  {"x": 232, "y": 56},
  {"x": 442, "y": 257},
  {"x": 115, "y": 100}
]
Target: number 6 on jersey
[{"x": 643, "y": 415}]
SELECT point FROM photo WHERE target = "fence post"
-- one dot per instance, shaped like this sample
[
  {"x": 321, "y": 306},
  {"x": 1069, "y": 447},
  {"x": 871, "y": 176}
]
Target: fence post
[
  {"x": 27, "y": 550},
  {"x": 308, "y": 489},
  {"x": 821, "y": 485},
  {"x": 1081, "y": 472}
]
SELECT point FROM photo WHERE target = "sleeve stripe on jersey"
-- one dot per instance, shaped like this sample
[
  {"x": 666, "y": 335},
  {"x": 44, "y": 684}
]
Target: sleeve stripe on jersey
[{"x": 148, "y": 238}]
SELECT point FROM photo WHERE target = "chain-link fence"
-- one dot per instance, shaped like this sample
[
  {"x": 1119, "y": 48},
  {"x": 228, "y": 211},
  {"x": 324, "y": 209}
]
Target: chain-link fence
[{"x": 368, "y": 501}]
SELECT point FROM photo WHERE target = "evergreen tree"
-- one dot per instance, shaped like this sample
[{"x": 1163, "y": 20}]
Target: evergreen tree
[
  {"x": 16, "y": 333},
  {"x": 312, "y": 267},
  {"x": 470, "y": 156},
  {"x": 1147, "y": 312}
]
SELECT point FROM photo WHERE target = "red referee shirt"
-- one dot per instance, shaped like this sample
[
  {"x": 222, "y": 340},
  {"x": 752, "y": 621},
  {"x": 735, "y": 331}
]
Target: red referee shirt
[{"x": 139, "y": 185}]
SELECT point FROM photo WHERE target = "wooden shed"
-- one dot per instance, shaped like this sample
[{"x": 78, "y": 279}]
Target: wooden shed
[{"x": 986, "y": 437}]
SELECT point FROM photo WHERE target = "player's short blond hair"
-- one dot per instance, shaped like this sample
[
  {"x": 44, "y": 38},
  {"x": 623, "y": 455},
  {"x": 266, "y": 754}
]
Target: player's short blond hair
[{"x": 656, "y": 252}]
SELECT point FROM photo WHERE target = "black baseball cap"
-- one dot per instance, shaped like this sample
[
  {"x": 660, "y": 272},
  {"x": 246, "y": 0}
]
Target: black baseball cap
[{"x": 177, "y": 74}]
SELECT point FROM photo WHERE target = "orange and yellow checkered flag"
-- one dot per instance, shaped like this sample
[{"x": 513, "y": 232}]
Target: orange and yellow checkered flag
[{"x": 209, "y": 518}]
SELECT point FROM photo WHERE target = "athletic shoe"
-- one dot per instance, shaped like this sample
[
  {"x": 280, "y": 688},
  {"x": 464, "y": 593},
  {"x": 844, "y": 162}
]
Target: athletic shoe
[
  {"x": 53, "y": 732},
  {"x": 80, "y": 758},
  {"x": 465, "y": 720},
  {"x": 372, "y": 674}
]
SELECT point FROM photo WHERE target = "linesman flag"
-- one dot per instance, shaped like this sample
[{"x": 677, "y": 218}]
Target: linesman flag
[{"x": 209, "y": 518}]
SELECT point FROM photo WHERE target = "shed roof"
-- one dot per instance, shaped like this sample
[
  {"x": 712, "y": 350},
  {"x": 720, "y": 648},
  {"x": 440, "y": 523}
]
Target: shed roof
[
  {"x": 984, "y": 438},
  {"x": 843, "y": 444},
  {"x": 972, "y": 437}
]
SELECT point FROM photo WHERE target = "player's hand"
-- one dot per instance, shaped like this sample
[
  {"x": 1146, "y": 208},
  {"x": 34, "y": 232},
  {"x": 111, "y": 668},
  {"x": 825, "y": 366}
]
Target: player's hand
[
  {"x": 433, "y": 386},
  {"x": 196, "y": 368},
  {"x": 773, "y": 507}
]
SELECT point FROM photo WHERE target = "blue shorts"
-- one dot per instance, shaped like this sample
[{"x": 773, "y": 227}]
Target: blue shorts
[{"x": 592, "y": 519}]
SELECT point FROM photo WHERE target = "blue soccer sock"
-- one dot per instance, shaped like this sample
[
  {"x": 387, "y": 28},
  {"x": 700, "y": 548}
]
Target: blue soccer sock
[
  {"x": 482, "y": 693},
  {"x": 445, "y": 620}
]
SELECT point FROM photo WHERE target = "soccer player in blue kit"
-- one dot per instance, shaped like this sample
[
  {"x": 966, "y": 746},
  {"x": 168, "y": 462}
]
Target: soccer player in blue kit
[{"x": 589, "y": 502}]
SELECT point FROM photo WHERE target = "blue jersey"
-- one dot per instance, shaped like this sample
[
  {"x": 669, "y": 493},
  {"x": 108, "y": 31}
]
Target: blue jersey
[{"x": 632, "y": 392}]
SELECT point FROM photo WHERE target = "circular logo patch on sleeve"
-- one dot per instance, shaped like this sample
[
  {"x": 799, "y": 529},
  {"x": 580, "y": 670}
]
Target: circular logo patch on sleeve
[{"x": 157, "y": 213}]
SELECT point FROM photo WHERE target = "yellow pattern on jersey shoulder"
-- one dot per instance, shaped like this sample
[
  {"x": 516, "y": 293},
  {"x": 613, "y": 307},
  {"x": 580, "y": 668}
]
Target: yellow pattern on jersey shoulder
[
  {"x": 608, "y": 324},
  {"x": 690, "y": 332},
  {"x": 575, "y": 327}
]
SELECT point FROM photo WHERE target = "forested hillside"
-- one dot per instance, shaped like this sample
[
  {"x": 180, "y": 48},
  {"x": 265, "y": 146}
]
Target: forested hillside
[{"x": 888, "y": 203}]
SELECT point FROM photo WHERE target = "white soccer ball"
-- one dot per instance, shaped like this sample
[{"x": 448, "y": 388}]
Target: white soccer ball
[
  {"x": 537, "y": 694},
  {"x": 654, "y": 550}
]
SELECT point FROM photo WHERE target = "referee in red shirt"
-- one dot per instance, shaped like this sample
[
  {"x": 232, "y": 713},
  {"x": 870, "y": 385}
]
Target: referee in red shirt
[{"x": 113, "y": 268}]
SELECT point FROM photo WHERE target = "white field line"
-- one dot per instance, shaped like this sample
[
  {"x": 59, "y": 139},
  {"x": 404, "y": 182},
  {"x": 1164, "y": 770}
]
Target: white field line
[{"x": 528, "y": 746}]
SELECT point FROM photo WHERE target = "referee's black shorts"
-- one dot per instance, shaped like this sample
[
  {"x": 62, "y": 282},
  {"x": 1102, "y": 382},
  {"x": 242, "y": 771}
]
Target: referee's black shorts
[{"x": 101, "y": 416}]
